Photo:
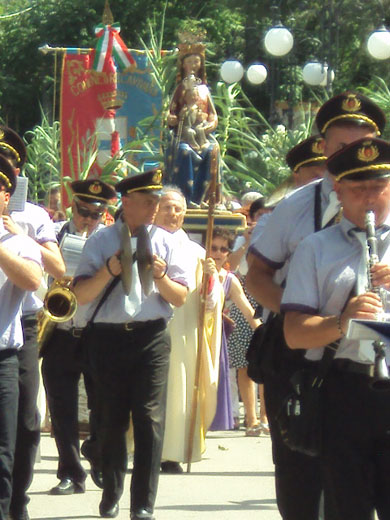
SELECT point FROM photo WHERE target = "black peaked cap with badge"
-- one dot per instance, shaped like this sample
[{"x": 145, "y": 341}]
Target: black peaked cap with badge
[
  {"x": 364, "y": 159},
  {"x": 93, "y": 191},
  {"x": 150, "y": 180},
  {"x": 12, "y": 145},
  {"x": 350, "y": 107},
  {"x": 7, "y": 175},
  {"x": 306, "y": 153}
]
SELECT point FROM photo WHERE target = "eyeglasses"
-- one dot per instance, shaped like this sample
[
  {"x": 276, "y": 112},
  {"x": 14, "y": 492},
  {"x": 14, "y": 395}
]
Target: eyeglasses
[
  {"x": 84, "y": 212},
  {"x": 223, "y": 249}
]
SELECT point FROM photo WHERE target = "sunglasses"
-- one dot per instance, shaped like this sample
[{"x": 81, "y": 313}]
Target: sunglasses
[
  {"x": 84, "y": 212},
  {"x": 223, "y": 249}
]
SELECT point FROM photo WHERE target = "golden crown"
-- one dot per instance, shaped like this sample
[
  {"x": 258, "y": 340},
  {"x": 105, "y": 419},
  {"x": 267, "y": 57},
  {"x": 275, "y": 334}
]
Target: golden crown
[{"x": 110, "y": 100}]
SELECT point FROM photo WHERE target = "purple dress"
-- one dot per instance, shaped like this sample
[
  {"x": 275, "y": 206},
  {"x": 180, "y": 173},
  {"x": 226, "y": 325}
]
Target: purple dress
[{"x": 223, "y": 419}]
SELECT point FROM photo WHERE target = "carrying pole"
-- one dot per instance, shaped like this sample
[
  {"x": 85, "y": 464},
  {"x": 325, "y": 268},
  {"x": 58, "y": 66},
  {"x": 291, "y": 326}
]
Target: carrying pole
[{"x": 202, "y": 311}]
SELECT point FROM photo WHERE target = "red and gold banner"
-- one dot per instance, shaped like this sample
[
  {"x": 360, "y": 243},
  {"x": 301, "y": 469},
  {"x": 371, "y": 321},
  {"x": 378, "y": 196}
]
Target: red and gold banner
[{"x": 87, "y": 112}]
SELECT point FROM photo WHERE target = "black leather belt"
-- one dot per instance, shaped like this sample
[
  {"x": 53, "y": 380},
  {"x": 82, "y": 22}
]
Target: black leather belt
[
  {"x": 132, "y": 325},
  {"x": 76, "y": 333},
  {"x": 347, "y": 365}
]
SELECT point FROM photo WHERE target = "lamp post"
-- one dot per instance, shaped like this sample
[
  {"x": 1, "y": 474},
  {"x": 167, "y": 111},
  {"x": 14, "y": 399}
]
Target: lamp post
[{"x": 279, "y": 44}]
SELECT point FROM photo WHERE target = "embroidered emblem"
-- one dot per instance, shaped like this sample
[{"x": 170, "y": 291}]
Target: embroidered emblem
[
  {"x": 95, "y": 188},
  {"x": 368, "y": 152},
  {"x": 351, "y": 103},
  {"x": 318, "y": 146},
  {"x": 157, "y": 177}
]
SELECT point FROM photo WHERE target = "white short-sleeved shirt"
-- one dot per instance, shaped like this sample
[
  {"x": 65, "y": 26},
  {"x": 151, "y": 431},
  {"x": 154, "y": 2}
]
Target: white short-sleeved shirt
[
  {"x": 290, "y": 222},
  {"x": 36, "y": 223},
  {"x": 321, "y": 276},
  {"x": 259, "y": 228},
  {"x": 11, "y": 296},
  {"x": 119, "y": 308}
]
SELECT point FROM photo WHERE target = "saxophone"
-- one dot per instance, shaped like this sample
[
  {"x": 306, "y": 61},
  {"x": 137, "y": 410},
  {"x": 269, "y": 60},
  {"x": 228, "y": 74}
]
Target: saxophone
[
  {"x": 59, "y": 305},
  {"x": 381, "y": 373}
]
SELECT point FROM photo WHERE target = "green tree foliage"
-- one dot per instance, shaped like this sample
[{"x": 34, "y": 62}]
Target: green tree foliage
[
  {"x": 252, "y": 150},
  {"x": 43, "y": 166},
  {"x": 330, "y": 30}
]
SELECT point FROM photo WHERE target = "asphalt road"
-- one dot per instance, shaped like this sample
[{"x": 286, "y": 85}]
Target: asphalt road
[{"x": 234, "y": 480}]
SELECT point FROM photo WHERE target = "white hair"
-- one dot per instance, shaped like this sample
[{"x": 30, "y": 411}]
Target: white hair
[
  {"x": 169, "y": 188},
  {"x": 250, "y": 197}
]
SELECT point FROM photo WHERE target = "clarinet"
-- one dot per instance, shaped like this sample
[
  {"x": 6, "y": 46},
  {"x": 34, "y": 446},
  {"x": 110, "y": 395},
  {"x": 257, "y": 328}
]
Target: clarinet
[{"x": 381, "y": 373}]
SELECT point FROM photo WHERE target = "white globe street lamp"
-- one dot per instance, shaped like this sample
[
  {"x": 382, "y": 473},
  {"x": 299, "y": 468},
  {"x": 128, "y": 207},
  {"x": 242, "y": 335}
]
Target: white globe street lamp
[
  {"x": 378, "y": 44},
  {"x": 231, "y": 71},
  {"x": 256, "y": 74},
  {"x": 313, "y": 73},
  {"x": 316, "y": 74},
  {"x": 278, "y": 41}
]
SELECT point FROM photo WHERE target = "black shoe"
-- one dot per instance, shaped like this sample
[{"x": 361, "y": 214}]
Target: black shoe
[
  {"x": 97, "y": 477},
  {"x": 169, "y": 466},
  {"x": 67, "y": 487},
  {"x": 108, "y": 509},
  {"x": 96, "y": 474},
  {"x": 22, "y": 515},
  {"x": 141, "y": 514}
]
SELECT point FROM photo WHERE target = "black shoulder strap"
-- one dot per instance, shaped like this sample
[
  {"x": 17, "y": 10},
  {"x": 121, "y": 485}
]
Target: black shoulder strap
[
  {"x": 63, "y": 230},
  {"x": 107, "y": 293},
  {"x": 317, "y": 208}
]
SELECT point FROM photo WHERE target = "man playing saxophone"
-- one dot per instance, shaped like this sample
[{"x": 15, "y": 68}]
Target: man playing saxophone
[
  {"x": 61, "y": 365},
  {"x": 326, "y": 288}
]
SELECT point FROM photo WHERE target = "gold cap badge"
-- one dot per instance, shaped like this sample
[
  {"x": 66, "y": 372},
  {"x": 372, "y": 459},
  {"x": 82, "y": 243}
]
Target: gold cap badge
[
  {"x": 157, "y": 177},
  {"x": 95, "y": 188},
  {"x": 318, "y": 146},
  {"x": 368, "y": 152},
  {"x": 351, "y": 103}
]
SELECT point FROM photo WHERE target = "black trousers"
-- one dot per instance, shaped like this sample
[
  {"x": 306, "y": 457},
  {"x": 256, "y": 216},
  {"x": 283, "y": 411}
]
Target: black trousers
[
  {"x": 356, "y": 448},
  {"x": 9, "y": 394},
  {"x": 62, "y": 366},
  {"x": 28, "y": 429},
  {"x": 130, "y": 370},
  {"x": 298, "y": 477}
]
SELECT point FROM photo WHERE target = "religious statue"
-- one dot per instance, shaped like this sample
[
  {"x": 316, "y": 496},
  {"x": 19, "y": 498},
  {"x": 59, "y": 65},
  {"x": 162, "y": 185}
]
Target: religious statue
[{"x": 193, "y": 152}]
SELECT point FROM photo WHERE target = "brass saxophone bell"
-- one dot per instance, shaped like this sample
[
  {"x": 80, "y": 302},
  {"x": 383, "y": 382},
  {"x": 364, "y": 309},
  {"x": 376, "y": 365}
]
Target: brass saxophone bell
[{"x": 59, "y": 305}]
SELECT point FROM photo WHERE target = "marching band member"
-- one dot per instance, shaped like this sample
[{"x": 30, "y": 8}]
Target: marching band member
[
  {"x": 61, "y": 365},
  {"x": 325, "y": 269},
  {"x": 34, "y": 222},
  {"x": 341, "y": 120},
  {"x": 129, "y": 343},
  {"x": 20, "y": 271}
]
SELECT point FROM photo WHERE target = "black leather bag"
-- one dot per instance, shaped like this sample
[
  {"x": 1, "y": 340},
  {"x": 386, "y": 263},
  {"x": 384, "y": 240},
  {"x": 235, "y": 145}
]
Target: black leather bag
[
  {"x": 267, "y": 352},
  {"x": 300, "y": 416}
]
